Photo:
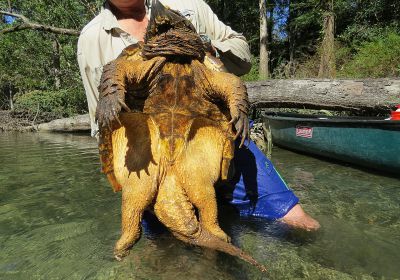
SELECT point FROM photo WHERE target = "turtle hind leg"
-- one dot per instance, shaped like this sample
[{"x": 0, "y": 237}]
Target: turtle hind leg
[
  {"x": 175, "y": 211},
  {"x": 135, "y": 199},
  {"x": 202, "y": 196},
  {"x": 131, "y": 230},
  {"x": 198, "y": 171},
  {"x": 131, "y": 156}
]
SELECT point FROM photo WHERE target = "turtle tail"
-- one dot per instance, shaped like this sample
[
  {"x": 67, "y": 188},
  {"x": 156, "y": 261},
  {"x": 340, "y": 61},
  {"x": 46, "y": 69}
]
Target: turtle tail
[{"x": 208, "y": 240}]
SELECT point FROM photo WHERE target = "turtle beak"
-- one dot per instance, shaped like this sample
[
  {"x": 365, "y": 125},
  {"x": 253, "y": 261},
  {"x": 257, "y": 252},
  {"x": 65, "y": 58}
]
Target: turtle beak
[{"x": 162, "y": 19}]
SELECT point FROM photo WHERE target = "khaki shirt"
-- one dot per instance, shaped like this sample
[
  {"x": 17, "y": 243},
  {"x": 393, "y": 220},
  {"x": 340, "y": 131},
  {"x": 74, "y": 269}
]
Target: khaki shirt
[{"x": 102, "y": 40}]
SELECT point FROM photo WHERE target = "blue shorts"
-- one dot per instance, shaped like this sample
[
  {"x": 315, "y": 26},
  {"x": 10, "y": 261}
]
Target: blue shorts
[{"x": 256, "y": 188}]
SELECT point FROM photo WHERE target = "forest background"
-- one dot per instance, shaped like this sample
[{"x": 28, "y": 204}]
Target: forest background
[{"x": 39, "y": 75}]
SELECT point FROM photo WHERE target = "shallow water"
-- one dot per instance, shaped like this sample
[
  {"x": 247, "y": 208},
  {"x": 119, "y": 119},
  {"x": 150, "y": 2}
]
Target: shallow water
[{"x": 59, "y": 219}]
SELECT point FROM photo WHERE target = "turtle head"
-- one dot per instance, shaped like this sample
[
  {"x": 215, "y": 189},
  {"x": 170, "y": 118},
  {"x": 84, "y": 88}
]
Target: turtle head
[
  {"x": 163, "y": 19},
  {"x": 171, "y": 35}
]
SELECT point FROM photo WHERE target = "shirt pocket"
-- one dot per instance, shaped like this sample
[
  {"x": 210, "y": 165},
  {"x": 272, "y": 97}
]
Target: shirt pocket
[
  {"x": 192, "y": 17},
  {"x": 187, "y": 13}
]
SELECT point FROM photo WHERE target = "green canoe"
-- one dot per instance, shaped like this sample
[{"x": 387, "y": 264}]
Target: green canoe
[{"x": 369, "y": 142}]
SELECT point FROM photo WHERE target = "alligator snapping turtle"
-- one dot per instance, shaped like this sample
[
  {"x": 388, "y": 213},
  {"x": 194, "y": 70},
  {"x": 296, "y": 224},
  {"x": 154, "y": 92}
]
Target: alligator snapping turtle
[{"x": 165, "y": 123}]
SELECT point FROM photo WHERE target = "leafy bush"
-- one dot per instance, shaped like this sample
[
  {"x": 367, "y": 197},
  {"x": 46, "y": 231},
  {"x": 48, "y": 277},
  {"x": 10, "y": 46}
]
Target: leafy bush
[
  {"x": 308, "y": 67},
  {"x": 253, "y": 75},
  {"x": 356, "y": 35},
  {"x": 376, "y": 59},
  {"x": 61, "y": 103}
]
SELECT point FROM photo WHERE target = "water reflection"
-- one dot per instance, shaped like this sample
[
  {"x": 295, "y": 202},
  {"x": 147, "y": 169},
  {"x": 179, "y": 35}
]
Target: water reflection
[{"x": 59, "y": 219}]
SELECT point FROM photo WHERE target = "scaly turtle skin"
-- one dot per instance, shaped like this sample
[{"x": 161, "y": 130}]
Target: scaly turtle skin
[{"x": 165, "y": 123}]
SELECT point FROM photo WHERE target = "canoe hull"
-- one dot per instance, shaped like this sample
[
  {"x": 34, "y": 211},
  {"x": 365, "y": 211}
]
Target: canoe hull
[{"x": 372, "y": 143}]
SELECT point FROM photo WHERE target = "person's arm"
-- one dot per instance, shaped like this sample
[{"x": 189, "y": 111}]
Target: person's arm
[
  {"x": 232, "y": 46},
  {"x": 88, "y": 79}
]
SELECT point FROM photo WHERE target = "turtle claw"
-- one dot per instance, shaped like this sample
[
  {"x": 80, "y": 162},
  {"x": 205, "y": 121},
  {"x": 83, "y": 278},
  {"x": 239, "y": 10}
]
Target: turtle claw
[
  {"x": 108, "y": 110},
  {"x": 120, "y": 254},
  {"x": 124, "y": 106},
  {"x": 241, "y": 122}
]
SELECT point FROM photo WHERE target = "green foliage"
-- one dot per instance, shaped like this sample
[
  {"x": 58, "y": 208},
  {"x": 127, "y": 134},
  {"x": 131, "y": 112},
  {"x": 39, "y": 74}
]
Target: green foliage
[
  {"x": 308, "y": 68},
  {"x": 28, "y": 59},
  {"x": 253, "y": 75},
  {"x": 357, "y": 35},
  {"x": 242, "y": 16},
  {"x": 377, "y": 59},
  {"x": 366, "y": 34},
  {"x": 61, "y": 103}
]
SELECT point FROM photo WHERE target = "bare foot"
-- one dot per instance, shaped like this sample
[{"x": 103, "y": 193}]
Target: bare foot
[{"x": 297, "y": 218}]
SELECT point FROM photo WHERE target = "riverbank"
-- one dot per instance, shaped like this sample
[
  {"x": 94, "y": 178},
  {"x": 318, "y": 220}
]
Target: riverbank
[
  {"x": 15, "y": 121},
  {"x": 81, "y": 123}
]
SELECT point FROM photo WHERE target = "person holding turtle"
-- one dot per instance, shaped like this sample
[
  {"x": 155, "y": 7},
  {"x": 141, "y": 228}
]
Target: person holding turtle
[{"x": 256, "y": 187}]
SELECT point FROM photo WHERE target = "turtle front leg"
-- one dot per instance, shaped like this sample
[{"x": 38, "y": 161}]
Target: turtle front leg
[
  {"x": 111, "y": 95},
  {"x": 128, "y": 69},
  {"x": 229, "y": 89}
]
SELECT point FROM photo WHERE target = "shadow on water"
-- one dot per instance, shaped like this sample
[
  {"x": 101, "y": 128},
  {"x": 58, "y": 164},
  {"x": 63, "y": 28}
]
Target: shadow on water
[{"x": 59, "y": 219}]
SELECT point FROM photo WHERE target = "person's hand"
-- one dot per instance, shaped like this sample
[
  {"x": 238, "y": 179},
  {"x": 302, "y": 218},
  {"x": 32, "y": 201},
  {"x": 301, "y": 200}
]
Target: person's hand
[{"x": 208, "y": 47}]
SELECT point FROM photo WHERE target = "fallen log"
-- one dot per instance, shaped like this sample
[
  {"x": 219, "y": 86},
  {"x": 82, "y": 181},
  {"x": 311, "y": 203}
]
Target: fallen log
[
  {"x": 375, "y": 96},
  {"x": 73, "y": 124},
  {"x": 372, "y": 96}
]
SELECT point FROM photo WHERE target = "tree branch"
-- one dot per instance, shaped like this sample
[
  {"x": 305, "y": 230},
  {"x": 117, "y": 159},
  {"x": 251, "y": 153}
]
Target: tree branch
[
  {"x": 14, "y": 15},
  {"x": 27, "y": 24}
]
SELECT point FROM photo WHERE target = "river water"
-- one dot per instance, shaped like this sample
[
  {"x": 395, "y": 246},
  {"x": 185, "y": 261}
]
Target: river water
[{"x": 59, "y": 219}]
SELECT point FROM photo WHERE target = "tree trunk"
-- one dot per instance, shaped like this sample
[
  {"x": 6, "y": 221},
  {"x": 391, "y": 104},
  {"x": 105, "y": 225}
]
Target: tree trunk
[
  {"x": 291, "y": 32},
  {"x": 221, "y": 10},
  {"x": 270, "y": 17},
  {"x": 360, "y": 96},
  {"x": 327, "y": 68},
  {"x": 10, "y": 96},
  {"x": 56, "y": 64},
  {"x": 263, "y": 67}
]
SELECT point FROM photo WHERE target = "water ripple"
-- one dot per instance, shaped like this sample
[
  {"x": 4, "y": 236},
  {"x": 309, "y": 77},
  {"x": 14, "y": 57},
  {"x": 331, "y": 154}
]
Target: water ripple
[{"x": 59, "y": 219}]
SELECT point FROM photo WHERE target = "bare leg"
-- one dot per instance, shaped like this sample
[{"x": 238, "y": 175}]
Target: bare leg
[{"x": 297, "y": 218}]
